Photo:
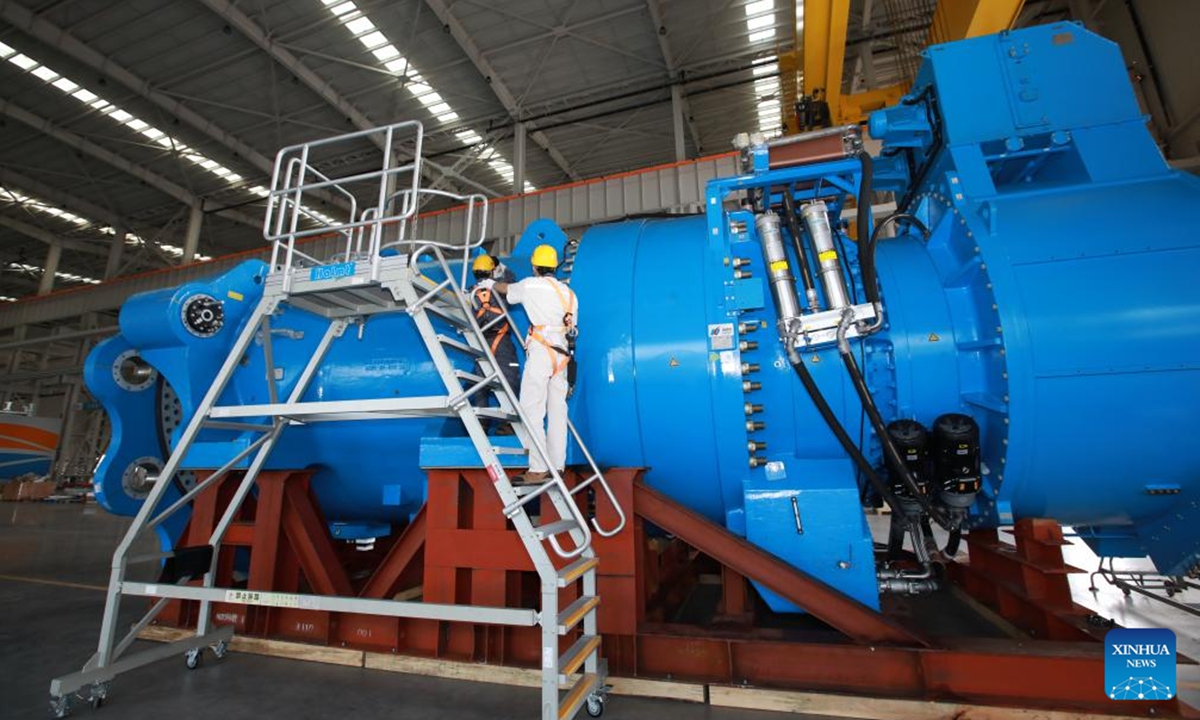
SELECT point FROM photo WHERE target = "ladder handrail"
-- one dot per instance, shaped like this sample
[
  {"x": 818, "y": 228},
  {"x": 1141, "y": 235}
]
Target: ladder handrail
[
  {"x": 597, "y": 474},
  {"x": 538, "y": 446},
  {"x": 294, "y": 175}
]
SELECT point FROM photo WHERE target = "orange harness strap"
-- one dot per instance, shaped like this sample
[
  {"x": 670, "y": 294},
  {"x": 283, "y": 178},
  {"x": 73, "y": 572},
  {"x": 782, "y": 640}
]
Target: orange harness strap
[
  {"x": 558, "y": 359},
  {"x": 485, "y": 308}
]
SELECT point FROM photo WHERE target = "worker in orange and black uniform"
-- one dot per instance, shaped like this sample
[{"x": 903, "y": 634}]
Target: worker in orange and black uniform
[{"x": 499, "y": 336}]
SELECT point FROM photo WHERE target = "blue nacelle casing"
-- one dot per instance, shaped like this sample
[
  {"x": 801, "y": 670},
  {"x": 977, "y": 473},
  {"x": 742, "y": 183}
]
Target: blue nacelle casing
[{"x": 1036, "y": 304}]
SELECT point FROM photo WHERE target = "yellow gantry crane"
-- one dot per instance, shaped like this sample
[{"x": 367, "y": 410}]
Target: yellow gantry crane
[{"x": 818, "y": 60}]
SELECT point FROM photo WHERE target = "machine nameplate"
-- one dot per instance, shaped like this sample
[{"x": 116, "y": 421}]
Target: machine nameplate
[{"x": 720, "y": 336}]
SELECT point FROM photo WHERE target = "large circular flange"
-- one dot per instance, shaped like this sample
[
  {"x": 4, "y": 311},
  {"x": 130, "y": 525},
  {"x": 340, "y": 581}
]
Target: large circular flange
[
  {"x": 131, "y": 372},
  {"x": 203, "y": 315}
]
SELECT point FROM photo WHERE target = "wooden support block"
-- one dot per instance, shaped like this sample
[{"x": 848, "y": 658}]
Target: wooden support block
[
  {"x": 665, "y": 689},
  {"x": 297, "y": 651},
  {"x": 476, "y": 672},
  {"x": 866, "y": 708}
]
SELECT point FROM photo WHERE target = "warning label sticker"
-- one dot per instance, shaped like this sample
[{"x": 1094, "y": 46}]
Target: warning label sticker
[{"x": 720, "y": 336}]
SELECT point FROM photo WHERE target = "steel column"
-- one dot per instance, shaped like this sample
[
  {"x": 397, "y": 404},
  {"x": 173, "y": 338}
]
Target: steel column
[
  {"x": 192, "y": 239},
  {"x": 49, "y": 268}
]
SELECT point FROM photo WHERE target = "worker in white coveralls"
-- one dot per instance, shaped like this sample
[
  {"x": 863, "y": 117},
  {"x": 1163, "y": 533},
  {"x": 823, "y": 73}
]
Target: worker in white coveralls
[{"x": 552, "y": 309}]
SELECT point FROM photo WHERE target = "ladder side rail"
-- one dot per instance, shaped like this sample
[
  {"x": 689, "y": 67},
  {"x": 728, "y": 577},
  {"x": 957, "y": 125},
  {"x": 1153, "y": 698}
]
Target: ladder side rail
[
  {"x": 377, "y": 228},
  {"x": 582, "y": 537},
  {"x": 272, "y": 207},
  {"x": 295, "y": 220},
  {"x": 150, "y": 504}
]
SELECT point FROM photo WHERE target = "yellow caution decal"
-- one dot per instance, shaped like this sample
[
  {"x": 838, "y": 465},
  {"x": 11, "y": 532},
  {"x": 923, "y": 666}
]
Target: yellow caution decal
[
  {"x": 234, "y": 295},
  {"x": 779, "y": 265},
  {"x": 827, "y": 255}
]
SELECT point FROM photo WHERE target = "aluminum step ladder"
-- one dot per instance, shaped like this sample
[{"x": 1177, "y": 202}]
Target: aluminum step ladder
[{"x": 368, "y": 281}]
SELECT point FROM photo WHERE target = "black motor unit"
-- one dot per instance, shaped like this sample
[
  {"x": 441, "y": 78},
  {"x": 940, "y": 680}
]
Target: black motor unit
[
  {"x": 912, "y": 442},
  {"x": 956, "y": 465}
]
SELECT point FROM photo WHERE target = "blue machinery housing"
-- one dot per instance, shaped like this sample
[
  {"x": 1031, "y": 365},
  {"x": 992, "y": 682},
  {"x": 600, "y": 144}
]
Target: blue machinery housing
[{"x": 1035, "y": 322}]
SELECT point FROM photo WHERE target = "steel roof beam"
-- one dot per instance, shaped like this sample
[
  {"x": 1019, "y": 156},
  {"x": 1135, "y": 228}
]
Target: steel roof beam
[
  {"x": 660, "y": 31},
  {"x": 25, "y": 20},
  {"x": 60, "y": 198},
  {"x": 503, "y": 94},
  {"x": 86, "y": 146},
  {"x": 245, "y": 25},
  {"x": 49, "y": 238}
]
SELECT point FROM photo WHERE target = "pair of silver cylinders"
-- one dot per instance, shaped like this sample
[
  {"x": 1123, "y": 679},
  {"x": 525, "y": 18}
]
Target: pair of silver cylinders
[{"x": 787, "y": 304}]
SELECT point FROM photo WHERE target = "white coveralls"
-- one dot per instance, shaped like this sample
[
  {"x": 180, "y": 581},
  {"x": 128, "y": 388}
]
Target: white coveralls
[{"x": 544, "y": 381}]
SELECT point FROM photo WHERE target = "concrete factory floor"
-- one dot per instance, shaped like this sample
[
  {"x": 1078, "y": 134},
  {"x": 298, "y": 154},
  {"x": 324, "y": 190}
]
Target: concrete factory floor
[{"x": 53, "y": 565}]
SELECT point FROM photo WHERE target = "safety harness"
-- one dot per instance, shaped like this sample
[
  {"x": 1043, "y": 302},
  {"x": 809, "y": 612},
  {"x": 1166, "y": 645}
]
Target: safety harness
[
  {"x": 487, "y": 312},
  {"x": 567, "y": 359}
]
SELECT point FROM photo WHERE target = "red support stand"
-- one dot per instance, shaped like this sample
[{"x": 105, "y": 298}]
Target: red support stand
[
  {"x": 1027, "y": 584},
  {"x": 460, "y": 549}
]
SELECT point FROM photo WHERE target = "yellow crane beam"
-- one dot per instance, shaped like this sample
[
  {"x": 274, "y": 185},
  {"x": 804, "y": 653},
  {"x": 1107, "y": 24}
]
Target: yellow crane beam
[
  {"x": 820, "y": 63},
  {"x": 961, "y": 19}
]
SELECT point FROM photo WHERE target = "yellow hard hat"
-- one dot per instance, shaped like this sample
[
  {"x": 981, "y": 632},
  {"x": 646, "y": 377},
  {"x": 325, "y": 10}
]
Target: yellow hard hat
[
  {"x": 545, "y": 256},
  {"x": 484, "y": 263}
]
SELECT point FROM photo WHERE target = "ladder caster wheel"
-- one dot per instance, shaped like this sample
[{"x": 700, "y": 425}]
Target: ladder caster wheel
[
  {"x": 192, "y": 658},
  {"x": 99, "y": 693},
  {"x": 60, "y": 707},
  {"x": 219, "y": 649},
  {"x": 595, "y": 705}
]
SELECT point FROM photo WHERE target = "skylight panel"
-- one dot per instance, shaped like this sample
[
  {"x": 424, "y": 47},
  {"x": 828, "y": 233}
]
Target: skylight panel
[
  {"x": 65, "y": 85},
  {"x": 23, "y": 61},
  {"x": 360, "y": 26},
  {"x": 762, "y": 21},
  {"x": 386, "y": 53},
  {"x": 375, "y": 40},
  {"x": 44, "y": 73},
  {"x": 759, "y": 7},
  {"x": 762, "y": 35}
]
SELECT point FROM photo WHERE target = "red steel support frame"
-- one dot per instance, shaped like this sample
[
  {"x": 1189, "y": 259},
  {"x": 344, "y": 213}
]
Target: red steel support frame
[{"x": 460, "y": 549}]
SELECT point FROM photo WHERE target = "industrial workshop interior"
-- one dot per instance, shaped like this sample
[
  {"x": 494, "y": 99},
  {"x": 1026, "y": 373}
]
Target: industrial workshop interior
[{"x": 553, "y": 359}]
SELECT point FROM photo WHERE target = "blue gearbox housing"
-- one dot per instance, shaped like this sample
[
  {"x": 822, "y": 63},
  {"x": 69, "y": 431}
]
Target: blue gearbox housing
[{"x": 1014, "y": 290}]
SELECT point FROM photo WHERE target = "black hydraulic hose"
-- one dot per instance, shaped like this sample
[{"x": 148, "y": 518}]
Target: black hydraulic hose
[
  {"x": 839, "y": 432},
  {"x": 890, "y": 453},
  {"x": 952, "y": 542},
  {"x": 866, "y": 258},
  {"x": 793, "y": 223}
]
